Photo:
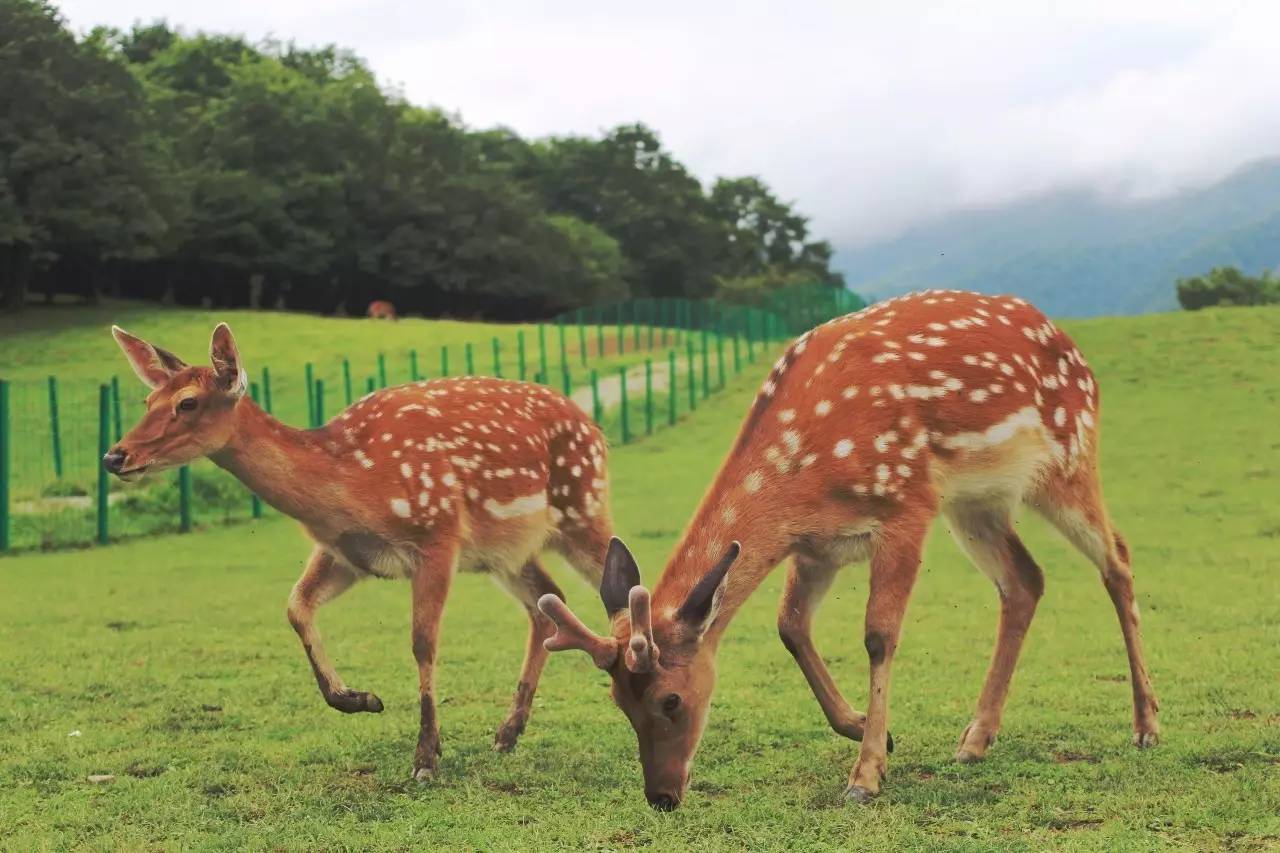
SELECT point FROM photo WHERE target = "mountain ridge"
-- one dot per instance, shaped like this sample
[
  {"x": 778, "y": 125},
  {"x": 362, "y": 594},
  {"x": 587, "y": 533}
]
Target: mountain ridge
[{"x": 1076, "y": 254}]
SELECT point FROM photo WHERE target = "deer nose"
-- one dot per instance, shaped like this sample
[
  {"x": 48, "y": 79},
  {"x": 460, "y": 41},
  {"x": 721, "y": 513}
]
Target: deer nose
[
  {"x": 114, "y": 460},
  {"x": 663, "y": 802}
]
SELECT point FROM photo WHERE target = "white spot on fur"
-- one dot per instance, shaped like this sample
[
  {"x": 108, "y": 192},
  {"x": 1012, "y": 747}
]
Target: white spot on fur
[
  {"x": 400, "y": 507},
  {"x": 753, "y": 482},
  {"x": 843, "y": 448},
  {"x": 526, "y": 505}
]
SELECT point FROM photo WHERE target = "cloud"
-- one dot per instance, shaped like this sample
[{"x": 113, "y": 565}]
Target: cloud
[{"x": 871, "y": 118}]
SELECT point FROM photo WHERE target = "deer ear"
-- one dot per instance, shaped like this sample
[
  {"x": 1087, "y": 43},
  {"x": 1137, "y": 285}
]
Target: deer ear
[
  {"x": 702, "y": 603},
  {"x": 153, "y": 365},
  {"x": 621, "y": 573},
  {"x": 226, "y": 362}
]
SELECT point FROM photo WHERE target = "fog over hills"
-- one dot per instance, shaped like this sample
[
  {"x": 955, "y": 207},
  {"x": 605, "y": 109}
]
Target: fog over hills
[{"x": 1077, "y": 254}]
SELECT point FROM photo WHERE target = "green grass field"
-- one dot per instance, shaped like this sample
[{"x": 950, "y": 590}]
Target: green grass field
[{"x": 172, "y": 659}]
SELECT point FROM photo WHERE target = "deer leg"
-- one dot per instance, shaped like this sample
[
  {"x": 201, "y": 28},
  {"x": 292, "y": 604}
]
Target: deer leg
[
  {"x": 986, "y": 535},
  {"x": 1083, "y": 521},
  {"x": 894, "y": 565},
  {"x": 584, "y": 548},
  {"x": 323, "y": 580},
  {"x": 530, "y": 584},
  {"x": 430, "y": 582},
  {"x": 807, "y": 582}
]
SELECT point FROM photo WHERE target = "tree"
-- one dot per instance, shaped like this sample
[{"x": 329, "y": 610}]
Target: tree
[
  {"x": 74, "y": 169},
  {"x": 1228, "y": 286},
  {"x": 213, "y": 170}
]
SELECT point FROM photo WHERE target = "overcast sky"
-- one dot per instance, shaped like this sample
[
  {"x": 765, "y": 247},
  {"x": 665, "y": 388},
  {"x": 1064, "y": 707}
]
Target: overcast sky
[{"x": 869, "y": 117}]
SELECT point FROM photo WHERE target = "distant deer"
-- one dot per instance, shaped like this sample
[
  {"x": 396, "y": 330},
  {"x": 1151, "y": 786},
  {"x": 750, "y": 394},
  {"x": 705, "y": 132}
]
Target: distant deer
[
  {"x": 381, "y": 309},
  {"x": 866, "y": 429},
  {"x": 416, "y": 481}
]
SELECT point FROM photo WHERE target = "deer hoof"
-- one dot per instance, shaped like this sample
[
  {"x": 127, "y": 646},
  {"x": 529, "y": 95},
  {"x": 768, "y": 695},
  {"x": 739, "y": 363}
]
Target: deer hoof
[
  {"x": 424, "y": 775},
  {"x": 858, "y": 794},
  {"x": 1146, "y": 740},
  {"x": 355, "y": 702},
  {"x": 964, "y": 756}
]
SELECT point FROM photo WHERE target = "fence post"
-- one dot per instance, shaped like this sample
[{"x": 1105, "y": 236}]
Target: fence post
[
  {"x": 115, "y": 405},
  {"x": 542, "y": 349},
  {"x": 599, "y": 333},
  {"x": 626, "y": 427},
  {"x": 720, "y": 356},
  {"x": 621, "y": 333},
  {"x": 346, "y": 379},
  {"x": 706, "y": 366},
  {"x": 635, "y": 327},
  {"x": 184, "y": 498},
  {"x": 266, "y": 389},
  {"x": 582, "y": 340},
  {"x": 737, "y": 355},
  {"x": 564, "y": 358},
  {"x": 520, "y": 352},
  {"x": 311, "y": 395},
  {"x": 53, "y": 427},
  {"x": 413, "y": 365},
  {"x": 693, "y": 378},
  {"x": 319, "y": 403},
  {"x": 382, "y": 371},
  {"x": 255, "y": 502},
  {"x": 671, "y": 381},
  {"x": 497, "y": 357},
  {"x": 596, "y": 410},
  {"x": 104, "y": 444},
  {"x": 371, "y": 385},
  {"x": 648, "y": 395},
  {"x": 444, "y": 361},
  {"x": 568, "y": 380},
  {"x": 469, "y": 351},
  {"x": 4, "y": 466}
]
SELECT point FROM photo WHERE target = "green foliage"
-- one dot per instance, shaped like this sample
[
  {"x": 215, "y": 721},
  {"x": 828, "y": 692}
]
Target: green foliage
[
  {"x": 1228, "y": 286},
  {"x": 172, "y": 658},
  {"x": 204, "y": 169}
]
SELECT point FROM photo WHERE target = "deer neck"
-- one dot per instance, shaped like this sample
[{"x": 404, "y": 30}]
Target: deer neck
[
  {"x": 762, "y": 525},
  {"x": 288, "y": 468}
]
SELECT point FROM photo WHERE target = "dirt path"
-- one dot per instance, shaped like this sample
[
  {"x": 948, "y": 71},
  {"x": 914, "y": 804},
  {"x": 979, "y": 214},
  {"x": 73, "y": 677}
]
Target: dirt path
[{"x": 611, "y": 387}]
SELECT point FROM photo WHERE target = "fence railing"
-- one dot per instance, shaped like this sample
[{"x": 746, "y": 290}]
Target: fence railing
[{"x": 637, "y": 367}]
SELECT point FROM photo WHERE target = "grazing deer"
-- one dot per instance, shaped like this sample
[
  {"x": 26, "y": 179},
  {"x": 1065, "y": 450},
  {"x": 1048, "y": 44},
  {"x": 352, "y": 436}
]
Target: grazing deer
[
  {"x": 867, "y": 428},
  {"x": 416, "y": 481},
  {"x": 381, "y": 309}
]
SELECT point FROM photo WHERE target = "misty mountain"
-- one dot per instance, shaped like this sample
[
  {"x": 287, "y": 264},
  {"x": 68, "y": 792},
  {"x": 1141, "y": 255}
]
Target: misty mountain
[{"x": 1075, "y": 254}]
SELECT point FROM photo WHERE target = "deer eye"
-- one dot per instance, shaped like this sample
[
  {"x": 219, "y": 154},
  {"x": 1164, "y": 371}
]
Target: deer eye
[
  {"x": 187, "y": 404},
  {"x": 670, "y": 704}
]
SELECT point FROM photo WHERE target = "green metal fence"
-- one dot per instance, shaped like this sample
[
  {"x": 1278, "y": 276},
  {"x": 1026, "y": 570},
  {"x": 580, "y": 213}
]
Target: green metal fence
[{"x": 637, "y": 367}]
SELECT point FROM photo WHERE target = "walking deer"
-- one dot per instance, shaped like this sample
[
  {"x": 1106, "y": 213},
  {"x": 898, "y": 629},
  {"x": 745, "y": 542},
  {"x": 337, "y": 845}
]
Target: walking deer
[
  {"x": 416, "y": 481},
  {"x": 867, "y": 428}
]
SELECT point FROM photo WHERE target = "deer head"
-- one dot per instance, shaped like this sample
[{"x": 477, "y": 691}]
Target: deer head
[
  {"x": 189, "y": 410},
  {"x": 663, "y": 673}
]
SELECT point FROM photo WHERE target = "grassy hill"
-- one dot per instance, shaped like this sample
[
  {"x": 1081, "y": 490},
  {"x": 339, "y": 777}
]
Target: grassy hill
[
  {"x": 1075, "y": 254},
  {"x": 75, "y": 341},
  {"x": 172, "y": 660}
]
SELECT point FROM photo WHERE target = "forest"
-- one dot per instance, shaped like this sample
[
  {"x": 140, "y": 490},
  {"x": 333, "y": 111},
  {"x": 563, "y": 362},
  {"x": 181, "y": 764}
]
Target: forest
[{"x": 203, "y": 169}]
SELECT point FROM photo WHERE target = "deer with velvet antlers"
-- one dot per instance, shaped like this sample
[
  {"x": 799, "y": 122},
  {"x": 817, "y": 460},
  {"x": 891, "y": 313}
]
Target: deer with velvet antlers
[
  {"x": 866, "y": 429},
  {"x": 417, "y": 481}
]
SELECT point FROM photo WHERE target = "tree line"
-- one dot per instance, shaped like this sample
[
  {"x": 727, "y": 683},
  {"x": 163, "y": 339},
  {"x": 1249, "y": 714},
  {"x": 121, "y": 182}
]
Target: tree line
[
  {"x": 1228, "y": 286},
  {"x": 204, "y": 169}
]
